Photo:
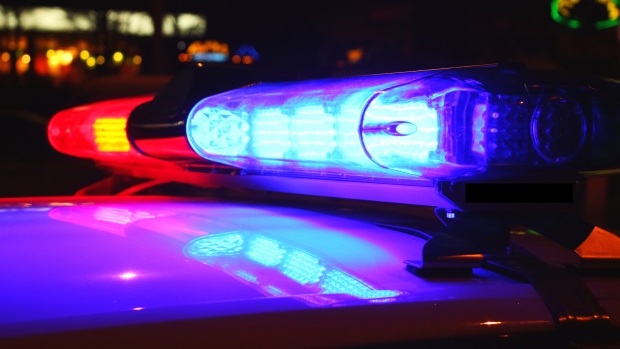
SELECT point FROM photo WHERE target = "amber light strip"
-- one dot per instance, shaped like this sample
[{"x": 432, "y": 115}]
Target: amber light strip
[{"x": 110, "y": 135}]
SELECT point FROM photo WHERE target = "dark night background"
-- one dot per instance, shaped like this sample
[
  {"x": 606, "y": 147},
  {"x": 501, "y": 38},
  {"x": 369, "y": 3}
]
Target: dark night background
[{"x": 308, "y": 39}]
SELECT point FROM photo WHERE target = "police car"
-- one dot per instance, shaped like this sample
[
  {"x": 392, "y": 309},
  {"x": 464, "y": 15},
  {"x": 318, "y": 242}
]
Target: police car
[{"x": 409, "y": 209}]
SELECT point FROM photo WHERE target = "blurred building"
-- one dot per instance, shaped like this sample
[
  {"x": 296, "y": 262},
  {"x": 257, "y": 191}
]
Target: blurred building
[{"x": 68, "y": 44}]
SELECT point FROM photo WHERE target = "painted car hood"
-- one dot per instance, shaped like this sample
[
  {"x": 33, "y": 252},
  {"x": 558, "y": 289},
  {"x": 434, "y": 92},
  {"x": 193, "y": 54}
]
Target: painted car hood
[{"x": 70, "y": 263}]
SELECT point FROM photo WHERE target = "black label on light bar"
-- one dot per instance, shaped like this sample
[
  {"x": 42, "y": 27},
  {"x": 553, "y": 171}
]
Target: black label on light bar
[{"x": 519, "y": 193}]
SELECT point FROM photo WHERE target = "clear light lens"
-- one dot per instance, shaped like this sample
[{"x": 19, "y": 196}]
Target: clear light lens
[
  {"x": 408, "y": 128},
  {"x": 386, "y": 126},
  {"x": 426, "y": 128},
  {"x": 221, "y": 131}
]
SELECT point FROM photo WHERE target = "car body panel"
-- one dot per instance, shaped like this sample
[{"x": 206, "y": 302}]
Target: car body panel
[{"x": 87, "y": 263}]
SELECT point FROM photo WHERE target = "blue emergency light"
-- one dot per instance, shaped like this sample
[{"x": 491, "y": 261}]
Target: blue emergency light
[{"x": 438, "y": 125}]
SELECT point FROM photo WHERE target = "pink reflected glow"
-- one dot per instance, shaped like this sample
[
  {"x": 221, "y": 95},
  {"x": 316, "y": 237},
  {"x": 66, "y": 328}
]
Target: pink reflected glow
[
  {"x": 110, "y": 219},
  {"x": 128, "y": 276},
  {"x": 120, "y": 216}
]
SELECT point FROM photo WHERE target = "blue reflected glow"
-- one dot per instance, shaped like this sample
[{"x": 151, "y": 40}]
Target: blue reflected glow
[
  {"x": 279, "y": 269},
  {"x": 302, "y": 267},
  {"x": 217, "y": 245},
  {"x": 246, "y": 276},
  {"x": 265, "y": 251},
  {"x": 274, "y": 291},
  {"x": 339, "y": 282},
  {"x": 388, "y": 126}
]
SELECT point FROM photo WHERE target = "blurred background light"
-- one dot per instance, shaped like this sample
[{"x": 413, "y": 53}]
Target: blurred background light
[
  {"x": 118, "y": 57},
  {"x": 56, "y": 19},
  {"x": 91, "y": 62},
  {"x": 184, "y": 24},
  {"x": 127, "y": 22}
]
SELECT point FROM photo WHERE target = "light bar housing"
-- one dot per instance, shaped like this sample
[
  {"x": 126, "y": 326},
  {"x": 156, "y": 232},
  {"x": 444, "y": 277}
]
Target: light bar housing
[{"x": 452, "y": 124}]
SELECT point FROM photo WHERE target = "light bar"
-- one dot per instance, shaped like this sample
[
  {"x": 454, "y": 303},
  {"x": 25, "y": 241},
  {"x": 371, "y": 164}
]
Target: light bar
[
  {"x": 394, "y": 125},
  {"x": 95, "y": 131},
  {"x": 442, "y": 124}
]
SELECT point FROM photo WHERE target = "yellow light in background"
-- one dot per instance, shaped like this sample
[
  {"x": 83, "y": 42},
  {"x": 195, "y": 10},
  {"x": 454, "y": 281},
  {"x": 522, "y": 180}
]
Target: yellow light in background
[
  {"x": 137, "y": 60},
  {"x": 131, "y": 23},
  {"x": 91, "y": 62},
  {"x": 84, "y": 55},
  {"x": 100, "y": 60},
  {"x": 66, "y": 58},
  {"x": 204, "y": 50},
  {"x": 6, "y": 57},
  {"x": 50, "y": 53},
  {"x": 117, "y": 57},
  {"x": 614, "y": 12},
  {"x": 110, "y": 135},
  {"x": 22, "y": 64},
  {"x": 208, "y": 46},
  {"x": 53, "y": 60}
]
